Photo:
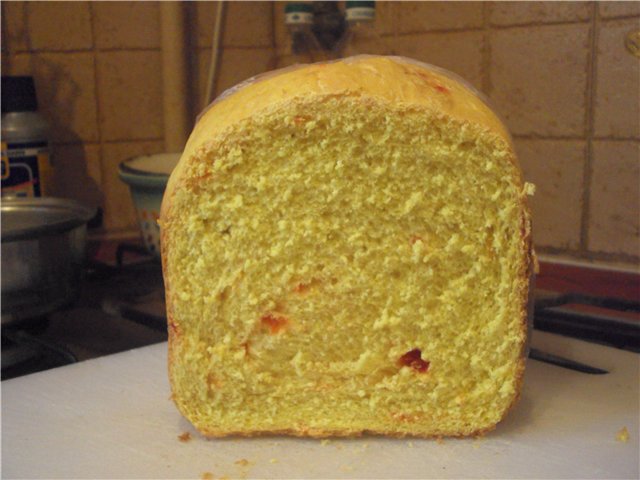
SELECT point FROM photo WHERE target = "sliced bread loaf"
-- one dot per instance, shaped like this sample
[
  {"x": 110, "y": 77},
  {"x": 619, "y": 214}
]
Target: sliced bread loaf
[{"x": 346, "y": 249}]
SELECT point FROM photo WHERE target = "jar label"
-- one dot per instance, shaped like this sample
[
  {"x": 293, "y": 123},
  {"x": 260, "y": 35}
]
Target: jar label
[
  {"x": 26, "y": 169},
  {"x": 361, "y": 13}
]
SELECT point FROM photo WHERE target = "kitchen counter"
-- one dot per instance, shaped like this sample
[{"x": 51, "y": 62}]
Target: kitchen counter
[{"x": 112, "y": 417}]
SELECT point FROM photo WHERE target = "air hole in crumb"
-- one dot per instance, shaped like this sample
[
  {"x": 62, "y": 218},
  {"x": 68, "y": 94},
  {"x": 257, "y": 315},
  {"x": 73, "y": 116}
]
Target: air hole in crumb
[
  {"x": 224, "y": 294},
  {"x": 414, "y": 360},
  {"x": 414, "y": 238}
]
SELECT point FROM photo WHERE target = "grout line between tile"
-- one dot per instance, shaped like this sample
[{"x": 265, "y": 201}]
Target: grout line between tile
[
  {"x": 132, "y": 140},
  {"x": 26, "y": 27},
  {"x": 96, "y": 88},
  {"x": 487, "y": 86},
  {"x": 590, "y": 114},
  {"x": 40, "y": 51},
  {"x": 620, "y": 17},
  {"x": 549, "y": 137},
  {"x": 208, "y": 47},
  {"x": 615, "y": 139},
  {"x": 107, "y": 142},
  {"x": 575, "y": 138},
  {"x": 440, "y": 30},
  {"x": 542, "y": 23},
  {"x": 95, "y": 49},
  {"x": 491, "y": 26},
  {"x": 395, "y": 25}
]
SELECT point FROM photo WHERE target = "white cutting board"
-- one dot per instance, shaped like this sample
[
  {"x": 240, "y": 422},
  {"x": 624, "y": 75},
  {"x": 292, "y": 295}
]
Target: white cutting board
[{"x": 112, "y": 418}]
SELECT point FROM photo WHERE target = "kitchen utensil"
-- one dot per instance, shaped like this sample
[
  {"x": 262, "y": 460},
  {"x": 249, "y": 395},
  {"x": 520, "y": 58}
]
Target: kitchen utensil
[
  {"x": 552, "y": 314},
  {"x": 147, "y": 178},
  {"x": 43, "y": 250},
  {"x": 563, "y": 362}
]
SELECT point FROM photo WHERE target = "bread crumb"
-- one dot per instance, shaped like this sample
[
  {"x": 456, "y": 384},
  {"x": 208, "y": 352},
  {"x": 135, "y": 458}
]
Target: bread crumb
[
  {"x": 243, "y": 462},
  {"x": 206, "y": 476},
  {"x": 529, "y": 189},
  {"x": 623, "y": 435},
  {"x": 273, "y": 460},
  {"x": 410, "y": 444},
  {"x": 325, "y": 441},
  {"x": 440, "y": 440},
  {"x": 346, "y": 468},
  {"x": 184, "y": 437}
]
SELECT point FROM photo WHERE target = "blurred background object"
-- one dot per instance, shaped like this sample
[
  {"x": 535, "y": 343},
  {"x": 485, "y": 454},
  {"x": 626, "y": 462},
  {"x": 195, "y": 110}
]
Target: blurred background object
[
  {"x": 304, "y": 46},
  {"x": 560, "y": 73},
  {"x": 26, "y": 164},
  {"x": 361, "y": 35}
]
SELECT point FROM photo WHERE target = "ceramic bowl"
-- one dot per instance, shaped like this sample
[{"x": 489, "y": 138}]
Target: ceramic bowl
[{"x": 147, "y": 178}]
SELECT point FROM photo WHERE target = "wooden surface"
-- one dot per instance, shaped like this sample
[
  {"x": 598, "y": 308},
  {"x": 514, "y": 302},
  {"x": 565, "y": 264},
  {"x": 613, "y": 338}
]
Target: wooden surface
[{"x": 112, "y": 418}]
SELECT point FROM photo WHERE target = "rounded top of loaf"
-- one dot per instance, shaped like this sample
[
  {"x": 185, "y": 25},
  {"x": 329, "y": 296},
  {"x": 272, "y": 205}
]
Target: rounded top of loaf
[{"x": 395, "y": 80}]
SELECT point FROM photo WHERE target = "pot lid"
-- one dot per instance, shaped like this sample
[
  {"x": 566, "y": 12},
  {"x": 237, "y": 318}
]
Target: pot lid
[{"x": 26, "y": 218}]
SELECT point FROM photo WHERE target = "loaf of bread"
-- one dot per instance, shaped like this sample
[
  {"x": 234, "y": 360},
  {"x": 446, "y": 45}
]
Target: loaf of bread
[{"x": 346, "y": 250}]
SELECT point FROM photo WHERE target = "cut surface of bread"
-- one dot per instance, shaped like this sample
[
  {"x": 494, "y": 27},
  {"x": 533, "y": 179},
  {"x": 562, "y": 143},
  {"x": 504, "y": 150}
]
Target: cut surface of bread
[{"x": 342, "y": 259}]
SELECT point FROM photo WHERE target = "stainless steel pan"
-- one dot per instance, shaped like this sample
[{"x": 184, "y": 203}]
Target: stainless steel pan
[{"x": 43, "y": 249}]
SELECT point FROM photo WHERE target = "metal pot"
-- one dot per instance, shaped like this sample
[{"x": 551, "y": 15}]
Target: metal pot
[{"x": 43, "y": 253}]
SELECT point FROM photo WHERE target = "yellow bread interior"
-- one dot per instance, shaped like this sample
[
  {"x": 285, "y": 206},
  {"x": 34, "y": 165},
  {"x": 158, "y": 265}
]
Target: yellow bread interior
[{"x": 341, "y": 263}]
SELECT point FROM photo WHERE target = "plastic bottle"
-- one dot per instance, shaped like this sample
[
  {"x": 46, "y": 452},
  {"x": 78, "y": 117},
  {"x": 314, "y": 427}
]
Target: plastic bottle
[
  {"x": 26, "y": 166},
  {"x": 304, "y": 46},
  {"x": 361, "y": 36}
]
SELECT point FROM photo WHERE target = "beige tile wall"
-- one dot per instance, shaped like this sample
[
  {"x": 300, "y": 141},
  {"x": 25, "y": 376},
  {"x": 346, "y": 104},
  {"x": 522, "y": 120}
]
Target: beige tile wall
[
  {"x": 560, "y": 76},
  {"x": 97, "y": 67},
  {"x": 557, "y": 72}
]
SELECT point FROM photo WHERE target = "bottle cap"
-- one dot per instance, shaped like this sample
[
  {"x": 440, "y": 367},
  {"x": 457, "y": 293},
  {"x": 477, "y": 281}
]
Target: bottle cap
[
  {"x": 298, "y": 13},
  {"x": 361, "y": 10},
  {"x": 361, "y": 3},
  {"x": 18, "y": 94}
]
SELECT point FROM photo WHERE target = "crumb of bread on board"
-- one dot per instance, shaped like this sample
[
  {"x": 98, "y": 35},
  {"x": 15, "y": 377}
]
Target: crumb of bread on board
[
  {"x": 184, "y": 437},
  {"x": 243, "y": 462},
  {"x": 206, "y": 476},
  {"x": 325, "y": 441},
  {"x": 273, "y": 460},
  {"x": 529, "y": 189},
  {"x": 440, "y": 441},
  {"x": 410, "y": 444},
  {"x": 623, "y": 435}
]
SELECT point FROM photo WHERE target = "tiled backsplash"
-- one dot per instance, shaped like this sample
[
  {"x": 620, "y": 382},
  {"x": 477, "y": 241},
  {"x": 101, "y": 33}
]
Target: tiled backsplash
[{"x": 557, "y": 72}]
